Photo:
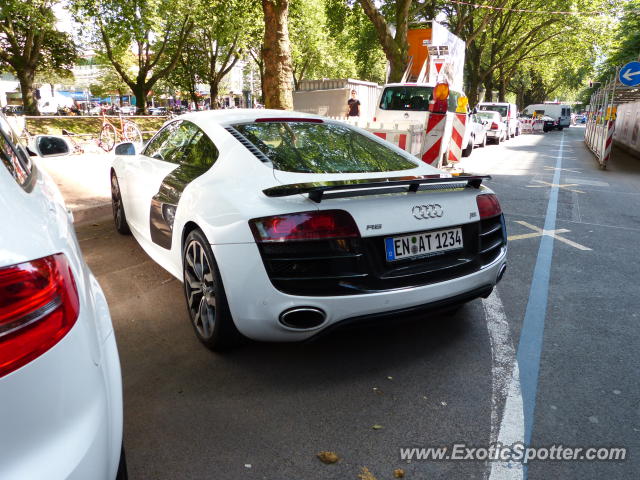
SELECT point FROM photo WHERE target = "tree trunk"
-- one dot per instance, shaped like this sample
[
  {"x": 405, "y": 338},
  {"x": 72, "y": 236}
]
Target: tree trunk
[
  {"x": 213, "y": 93},
  {"x": 28, "y": 98},
  {"x": 398, "y": 64},
  {"x": 140, "y": 91},
  {"x": 276, "y": 54}
]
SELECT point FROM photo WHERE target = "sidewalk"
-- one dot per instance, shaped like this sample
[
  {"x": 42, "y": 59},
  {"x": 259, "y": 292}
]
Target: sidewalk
[{"x": 84, "y": 183}]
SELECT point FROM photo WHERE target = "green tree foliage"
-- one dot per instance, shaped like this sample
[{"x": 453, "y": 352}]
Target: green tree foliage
[
  {"x": 30, "y": 45},
  {"x": 155, "y": 30},
  {"x": 223, "y": 29},
  {"x": 316, "y": 53}
]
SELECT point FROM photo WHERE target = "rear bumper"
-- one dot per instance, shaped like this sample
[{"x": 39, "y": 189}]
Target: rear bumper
[
  {"x": 428, "y": 308},
  {"x": 256, "y": 304}
]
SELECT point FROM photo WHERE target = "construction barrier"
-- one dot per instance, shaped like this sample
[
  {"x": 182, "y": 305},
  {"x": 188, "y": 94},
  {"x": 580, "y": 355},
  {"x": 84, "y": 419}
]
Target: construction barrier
[
  {"x": 457, "y": 134},
  {"x": 409, "y": 136},
  {"x": 531, "y": 125},
  {"x": 433, "y": 138}
]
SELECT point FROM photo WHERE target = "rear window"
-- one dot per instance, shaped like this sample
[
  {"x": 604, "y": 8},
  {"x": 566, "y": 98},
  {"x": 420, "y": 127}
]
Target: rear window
[
  {"x": 487, "y": 115},
  {"x": 501, "y": 109},
  {"x": 415, "y": 99},
  {"x": 307, "y": 147}
]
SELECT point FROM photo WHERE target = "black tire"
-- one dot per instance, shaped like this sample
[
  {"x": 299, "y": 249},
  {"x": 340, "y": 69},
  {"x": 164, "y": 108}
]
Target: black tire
[
  {"x": 108, "y": 137},
  {"x": 517, "y": 131},
  {"x": 497, "y": 140},
  {"x": 119, "y": 218},
  {"x": 122, "y": 467},
  {"x": 205, "y": 296},
  {"x": 560, "y": 128},
  {"x": 467, "y": 151}
]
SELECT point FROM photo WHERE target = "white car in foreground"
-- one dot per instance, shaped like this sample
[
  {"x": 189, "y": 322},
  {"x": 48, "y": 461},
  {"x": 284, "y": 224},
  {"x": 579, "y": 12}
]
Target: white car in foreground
[
  {"x": 60, "y": 383},
  {"x": 283, "y": 224}
]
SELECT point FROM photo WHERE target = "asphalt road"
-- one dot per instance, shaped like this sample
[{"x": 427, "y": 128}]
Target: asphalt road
[{"x": 265, "y": 410}]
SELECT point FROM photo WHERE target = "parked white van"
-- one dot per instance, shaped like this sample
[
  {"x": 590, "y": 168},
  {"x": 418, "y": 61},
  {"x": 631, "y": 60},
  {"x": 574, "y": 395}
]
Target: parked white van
[
  {"x": 410, "y": 102},
  {"x": 560, "y": 112},
  {"x": 509, "y": 114}
]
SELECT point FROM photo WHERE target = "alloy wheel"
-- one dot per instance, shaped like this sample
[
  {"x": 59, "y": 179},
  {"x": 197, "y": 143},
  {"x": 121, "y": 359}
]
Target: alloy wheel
[{"x": 200, "y": 289}]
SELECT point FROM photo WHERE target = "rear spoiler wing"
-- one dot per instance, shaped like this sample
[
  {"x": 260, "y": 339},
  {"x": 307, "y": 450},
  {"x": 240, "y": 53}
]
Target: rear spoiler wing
[{"x": 374, "y": 186}]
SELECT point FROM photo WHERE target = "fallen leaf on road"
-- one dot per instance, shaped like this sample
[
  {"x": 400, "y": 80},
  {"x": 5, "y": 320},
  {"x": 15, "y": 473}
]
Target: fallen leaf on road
[
  {"x": 366, "y": 474},
  {"x": 377, "y": 427},
  {"x": 328, "y": 457},
  {"x": 398, "y": 473}
]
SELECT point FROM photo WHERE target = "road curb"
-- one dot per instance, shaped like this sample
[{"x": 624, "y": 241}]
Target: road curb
[{"x": 91, "y": 214}]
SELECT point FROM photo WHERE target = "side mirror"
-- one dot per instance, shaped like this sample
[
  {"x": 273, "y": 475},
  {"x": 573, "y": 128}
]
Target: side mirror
[
  {"x": 51, "y": 146},
  {"x": 127, "y": 148}
]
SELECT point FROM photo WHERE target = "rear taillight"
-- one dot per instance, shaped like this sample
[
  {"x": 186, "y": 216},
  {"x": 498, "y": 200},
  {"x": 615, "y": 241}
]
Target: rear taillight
[
  {"x": 494, "y": 126},
  {"x": 304, "y": 226},
  {"x": 488, "y": 205},
  {"x": 374, "y": 119},
  {"x": 38, "y": 305}
]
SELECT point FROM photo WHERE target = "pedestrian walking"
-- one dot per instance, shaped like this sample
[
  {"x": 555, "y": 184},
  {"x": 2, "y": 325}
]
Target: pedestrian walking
[{"x": 353, "y": 105}]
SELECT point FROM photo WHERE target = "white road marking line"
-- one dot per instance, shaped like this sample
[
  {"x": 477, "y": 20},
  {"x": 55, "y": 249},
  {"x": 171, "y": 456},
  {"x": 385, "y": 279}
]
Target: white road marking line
[
  {"x": 547, "y": 167},
  {"x": 550, "y": 233},
  {"x": 592, "y": 183},
  {"x": 547, "y": 184},
  {"x": 509, "y": 428}
]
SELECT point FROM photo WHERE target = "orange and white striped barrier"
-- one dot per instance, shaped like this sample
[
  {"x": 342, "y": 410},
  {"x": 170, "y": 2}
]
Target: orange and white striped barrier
[
  {"x": 433, "y": 139},
  {"x": 457, "y": 134},
  {"x": 531, "y": 125},
  {"x": 608, "y": 143}
]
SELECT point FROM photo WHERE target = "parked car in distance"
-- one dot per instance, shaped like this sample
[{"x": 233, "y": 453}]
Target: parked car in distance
[
  {"x": 60, "y": 380},
  {"x": 13, "y": 110},
  {"x": 496, "y": 129},
  {"x": 231, "y": 202},
  {"x": 158, "y": 110},
  {"x": 559, "y": 112},
  {"x": 127, "y": 109},
  {"x": 508, "y": 112},
  {"x": 478, "y": 131}
]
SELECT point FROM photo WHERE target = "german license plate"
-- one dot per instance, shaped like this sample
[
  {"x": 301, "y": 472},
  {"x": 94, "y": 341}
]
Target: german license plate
[{"x": 423, "y": 244}]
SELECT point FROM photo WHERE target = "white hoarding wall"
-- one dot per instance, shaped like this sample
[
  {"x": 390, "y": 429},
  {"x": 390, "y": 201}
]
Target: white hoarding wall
[
  {"x": 627, "y": 130},
  {"x": 329, "y": 97}
]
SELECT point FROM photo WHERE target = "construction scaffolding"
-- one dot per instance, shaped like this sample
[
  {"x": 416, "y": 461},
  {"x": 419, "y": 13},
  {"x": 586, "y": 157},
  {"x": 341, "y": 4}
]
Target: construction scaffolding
[{"x": 601, "y": 116}]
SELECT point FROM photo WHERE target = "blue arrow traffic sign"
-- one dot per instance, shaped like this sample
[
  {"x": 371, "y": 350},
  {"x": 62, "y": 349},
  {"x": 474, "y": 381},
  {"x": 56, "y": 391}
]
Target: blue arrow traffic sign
[{"x": 630, "y": 74}]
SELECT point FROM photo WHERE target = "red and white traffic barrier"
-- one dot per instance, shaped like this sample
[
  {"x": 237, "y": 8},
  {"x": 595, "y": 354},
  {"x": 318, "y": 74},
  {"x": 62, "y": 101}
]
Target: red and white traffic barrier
[
  {"x": 531, "y": 125},
  {"x": 608, "y": 143},
  {"x": 457, "y": 134},
  {"x": 433, "y": 139}
]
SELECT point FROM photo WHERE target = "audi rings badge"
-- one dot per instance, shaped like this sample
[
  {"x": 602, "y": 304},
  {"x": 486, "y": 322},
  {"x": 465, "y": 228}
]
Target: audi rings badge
[{"x": 424, "y": 212}]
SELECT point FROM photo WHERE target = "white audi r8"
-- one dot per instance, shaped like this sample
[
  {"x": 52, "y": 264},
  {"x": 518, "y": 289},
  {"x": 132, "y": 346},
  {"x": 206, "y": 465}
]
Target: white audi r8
[{"x": 282, "y": 225}]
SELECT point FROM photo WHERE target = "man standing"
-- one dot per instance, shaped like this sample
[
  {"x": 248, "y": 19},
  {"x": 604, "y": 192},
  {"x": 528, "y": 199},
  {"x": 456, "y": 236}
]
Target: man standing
[{"x": 353, "y": 105}]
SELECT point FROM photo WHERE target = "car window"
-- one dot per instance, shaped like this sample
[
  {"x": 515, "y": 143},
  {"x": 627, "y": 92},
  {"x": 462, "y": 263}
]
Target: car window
[
  {"x": 501, "y": 109},
  {"x": 414, "y": 99},
  {"x": 201, "y": 153},
  {"x": 169, "y": 144},
  {"x": 13, "y": 155},
  {"x": 488, "y": 115},
  {"x": 308, "y": 147}
]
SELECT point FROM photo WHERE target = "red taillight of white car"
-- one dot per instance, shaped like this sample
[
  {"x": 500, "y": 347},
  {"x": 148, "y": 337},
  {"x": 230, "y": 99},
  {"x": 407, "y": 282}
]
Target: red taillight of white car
[
  {"x": 494, "y": 126},
  {"x": 39, "y": 304},
  {"x": 304, "y": 226},
  {"x": 488, "y": 205}
]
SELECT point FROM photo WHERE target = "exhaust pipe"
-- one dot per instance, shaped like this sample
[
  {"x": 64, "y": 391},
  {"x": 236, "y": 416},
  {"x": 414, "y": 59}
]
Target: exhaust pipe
[{"x": 302, "y": 318}]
